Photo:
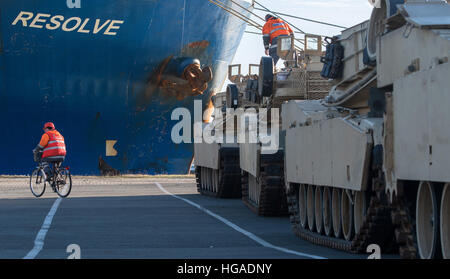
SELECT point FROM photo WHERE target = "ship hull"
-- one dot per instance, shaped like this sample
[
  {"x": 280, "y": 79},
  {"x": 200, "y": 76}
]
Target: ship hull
[{"x": 97, "y": 74}]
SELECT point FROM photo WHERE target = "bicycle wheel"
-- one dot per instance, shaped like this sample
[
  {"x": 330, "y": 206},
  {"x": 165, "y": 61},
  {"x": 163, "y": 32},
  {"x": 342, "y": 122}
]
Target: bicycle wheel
[
  {"x": 63, "y": 183},
  {"x": 37, "y": 182}
]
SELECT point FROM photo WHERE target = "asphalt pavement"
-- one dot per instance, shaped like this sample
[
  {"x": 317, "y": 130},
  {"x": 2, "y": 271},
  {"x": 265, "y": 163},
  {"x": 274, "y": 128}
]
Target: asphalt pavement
[{"x": 142, "y": 218}]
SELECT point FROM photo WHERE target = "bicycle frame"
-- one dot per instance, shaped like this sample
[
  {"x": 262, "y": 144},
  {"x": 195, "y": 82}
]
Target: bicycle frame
[
  {"x": 59, "y": 176},
  {"x": 54, "y": 169}
]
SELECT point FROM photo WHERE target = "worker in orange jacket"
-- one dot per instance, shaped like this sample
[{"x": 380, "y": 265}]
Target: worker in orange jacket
[
  {"x": 52, "y": 148},
  {"x": 274, "y": 28}
]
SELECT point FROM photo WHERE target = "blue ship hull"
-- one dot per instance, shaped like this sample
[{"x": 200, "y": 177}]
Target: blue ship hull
[{"x": 90, "y": 71}]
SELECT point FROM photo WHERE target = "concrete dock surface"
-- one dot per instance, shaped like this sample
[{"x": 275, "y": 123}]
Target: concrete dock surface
[{"x": 142, "y": 217}]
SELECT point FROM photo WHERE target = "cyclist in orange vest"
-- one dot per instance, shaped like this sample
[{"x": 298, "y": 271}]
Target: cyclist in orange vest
[
  {"x": 52, "y": 147},
  {"x": 274, "y": 28}
]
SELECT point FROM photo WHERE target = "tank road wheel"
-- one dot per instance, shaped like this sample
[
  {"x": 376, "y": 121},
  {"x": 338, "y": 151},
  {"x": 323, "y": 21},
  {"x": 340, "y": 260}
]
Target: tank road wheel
[
  {"x": 310, "y": 207},
  {"x": 265, "y": 194},
  {"x": 336, "y": 212},
  {"x": 210, "y": 185},
  {"x": 213, "y": 180},
  {"x": 208, "y": 179},
  {"x": 346, "y": 215},
  {"x": 302, "y": 205},
  {"x": 326, "y": 211},
  {"x": 210, "y": 188},
  {"x": 198, "y": 173},
  {"x": 207, "y": 185},
  {"x": 198, "y": 178},
  {"x": 319, "y": 209},
  {"x": 254, "y": 189},
  {"x": 219, "y": 178},
  {"x": 246, "y": 186},
  {"x": 216, "y": 180},
  {"x": 202, "y": 178},
  {"x": 445, "y": 222},
  {"x": 224, "y": 182},
  {"x": 427, "y": 220},
  {"x": 249, "y": 181},
  {"x": 359, "y": 210}
]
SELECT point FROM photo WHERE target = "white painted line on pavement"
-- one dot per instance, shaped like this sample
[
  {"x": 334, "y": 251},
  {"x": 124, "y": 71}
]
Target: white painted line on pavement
[
  {"x": 239, "y": 229},
  {"x": 39, "y": 241}
]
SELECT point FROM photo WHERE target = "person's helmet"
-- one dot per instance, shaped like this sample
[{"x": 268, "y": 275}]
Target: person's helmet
[
  {"x": 269, "y": 16},
  {"x": 49, "y": 125}
]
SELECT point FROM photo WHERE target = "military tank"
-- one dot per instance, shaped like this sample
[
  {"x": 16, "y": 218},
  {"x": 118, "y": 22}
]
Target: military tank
[
  {"x": 368, "y": 163},
  {"x": 220, "y": 158},
  {"x": 262, "y": 160},
  {"x": 217, "y": 155}
]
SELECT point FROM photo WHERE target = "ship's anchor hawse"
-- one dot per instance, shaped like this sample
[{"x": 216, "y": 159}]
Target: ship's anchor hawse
[{"x": 184, "y": 77}]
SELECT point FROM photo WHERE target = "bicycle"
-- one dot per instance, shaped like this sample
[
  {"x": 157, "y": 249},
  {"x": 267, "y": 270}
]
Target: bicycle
[{"x": 61, "y": 181}]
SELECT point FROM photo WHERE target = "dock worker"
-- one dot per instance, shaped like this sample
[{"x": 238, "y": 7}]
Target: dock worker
[
  {"x": 52, "y": 147},
  {"x": 274, "y": 28}
]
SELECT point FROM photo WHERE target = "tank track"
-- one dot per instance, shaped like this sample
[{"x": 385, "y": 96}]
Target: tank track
[
  {"x": 229, "y": 176},
  {"x": 272, "y": 200},
  {"x": 376, "y": 228},
  {"x": 404, "y": 229}
]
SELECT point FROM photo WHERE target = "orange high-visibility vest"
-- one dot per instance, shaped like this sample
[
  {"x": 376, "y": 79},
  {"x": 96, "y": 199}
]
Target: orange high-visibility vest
[
  {"x": 55, "y": 146},
  {"x": 276, "y": 27}
]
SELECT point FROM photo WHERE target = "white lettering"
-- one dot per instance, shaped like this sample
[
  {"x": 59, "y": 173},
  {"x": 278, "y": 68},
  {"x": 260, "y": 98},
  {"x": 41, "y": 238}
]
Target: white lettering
[
  {"x": 208, "y": 269},
  {"x": 375, "y": 250},
  {"x": 22, "y": 17},
  {"x": 38, "y": 19},
  {"x": 270, "y": 141},
  {"x": 213, "y": 133},
  {"x": 75, "y": 250},
  {"x": 74, "y": 4},
  {"x": 227, "y": 268},
  {"x": 41, "y": 20},
  {"x": 246, "y": 268},
  {"x": 64, "y": 26},
  {"x": 81, "y": 30},
  {"x": 198, "y": 121},
  {"x": 56, "y": 23},
  {"x": 112, "y": 26},
  {"x": 252, "y": 127},
  {"x": 248, "y": 127},
  {"x": 97, "y": 22},
  {"x": 230, "y": 116},
  {"x": 262, "y": 269},
  {"x": 196, "y": 269},
  {"x": 185, "y": 125}
]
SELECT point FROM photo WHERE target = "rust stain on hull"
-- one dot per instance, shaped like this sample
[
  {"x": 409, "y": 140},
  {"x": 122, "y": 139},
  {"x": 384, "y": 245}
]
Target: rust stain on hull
[
  {"x": 152, "y": 84},
  {"x": 105, "y": 169},
  {"x": 172, "y": 85},
  {"x": 199, "y": 44},
  {"x": 193, "y": 82}
]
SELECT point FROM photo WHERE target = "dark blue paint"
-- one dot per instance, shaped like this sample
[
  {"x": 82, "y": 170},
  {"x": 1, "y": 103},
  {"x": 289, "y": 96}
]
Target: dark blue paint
[{"x": 94, "y": 87}]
